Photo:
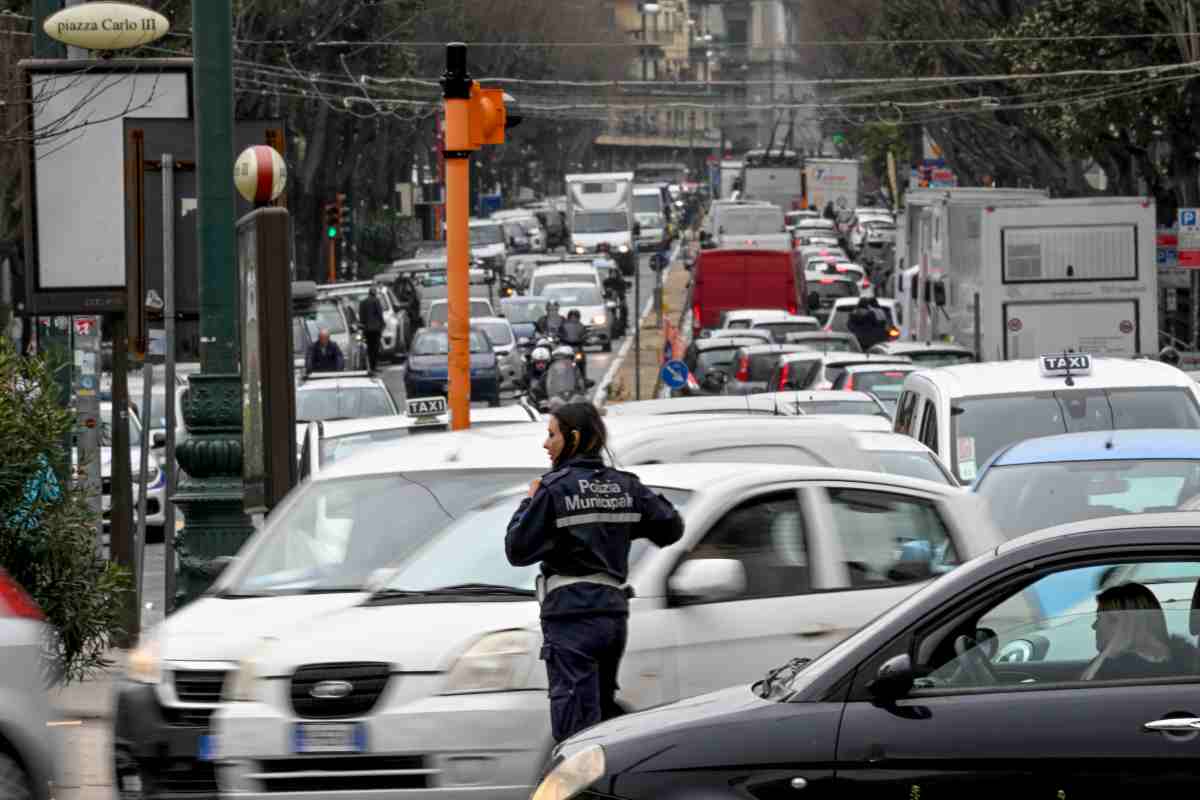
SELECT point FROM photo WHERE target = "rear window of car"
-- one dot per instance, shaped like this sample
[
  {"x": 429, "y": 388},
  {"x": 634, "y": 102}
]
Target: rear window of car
[
  {"x": 841, "y": 318},
  {"x": 342, "y": 403},
  {"x": 832, "y": 290},
  {"x": 779, "y": 330},
  {"x": 714, "y": 359},
  {"x": 884, "y": 385},
  {"x": 762, "y": 366}
]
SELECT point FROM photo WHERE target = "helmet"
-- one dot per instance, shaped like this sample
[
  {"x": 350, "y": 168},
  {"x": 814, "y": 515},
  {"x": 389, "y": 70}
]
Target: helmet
[
  {"x": 573, "y": 314},
  {"x": 540, "y": 353},
  {"x": 552, "y": 306},
  {"x": 564, "y": 351},
  {"x": 1169, "y": 355}
]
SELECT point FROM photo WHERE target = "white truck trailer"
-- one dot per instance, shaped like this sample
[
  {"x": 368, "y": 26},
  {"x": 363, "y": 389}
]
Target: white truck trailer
[
  {"x": 600, "y": 216},
  {"x": 831, "y": 180}
]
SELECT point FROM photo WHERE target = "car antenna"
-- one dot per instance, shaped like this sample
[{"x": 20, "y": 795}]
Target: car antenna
[{"x": 1070, "y": 380}]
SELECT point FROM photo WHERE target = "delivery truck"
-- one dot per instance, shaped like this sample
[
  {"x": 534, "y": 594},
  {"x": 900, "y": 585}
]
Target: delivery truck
[
  {"x": 774, "y": 177},
  {"x": 600, "y": 216},
  {"x": 830, "y": 180}
]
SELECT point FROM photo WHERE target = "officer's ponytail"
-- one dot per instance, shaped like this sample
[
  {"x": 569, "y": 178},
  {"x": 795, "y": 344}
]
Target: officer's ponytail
[{"x": 582, "y": 430}]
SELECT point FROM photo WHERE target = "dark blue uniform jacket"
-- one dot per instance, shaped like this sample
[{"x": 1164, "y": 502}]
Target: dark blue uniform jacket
[{"x": 581, "y": 521}]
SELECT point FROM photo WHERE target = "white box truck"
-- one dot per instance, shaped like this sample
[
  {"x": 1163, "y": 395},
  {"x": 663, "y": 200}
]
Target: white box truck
[
  {"x": 831, "y": 180},
  {"x": 600, "y": 216},
  {"x": 731, "y": 173},
  {"x": 775, "y": 177},
  {"x": 1075, "y": 274},
  {"x": 937, "y": 242}
]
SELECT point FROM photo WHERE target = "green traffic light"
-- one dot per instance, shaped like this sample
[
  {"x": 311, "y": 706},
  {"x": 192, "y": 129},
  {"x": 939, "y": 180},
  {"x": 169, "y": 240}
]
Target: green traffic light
[{"x": 332, "y": 232}]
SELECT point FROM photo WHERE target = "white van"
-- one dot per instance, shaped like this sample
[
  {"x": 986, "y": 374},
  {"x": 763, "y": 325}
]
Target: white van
[{"x": 969, "y": 412}]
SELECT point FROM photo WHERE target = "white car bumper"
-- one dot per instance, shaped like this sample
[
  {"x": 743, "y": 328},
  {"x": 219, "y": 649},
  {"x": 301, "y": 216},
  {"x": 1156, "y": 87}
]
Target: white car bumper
[{"x": 489, "y": 745}]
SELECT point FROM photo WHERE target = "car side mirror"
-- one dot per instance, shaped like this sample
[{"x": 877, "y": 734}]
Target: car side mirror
[
  {"x": 158, "y": 439},
  {"x": 894, "y": 678},
  {"x": 708, "y": 579}
]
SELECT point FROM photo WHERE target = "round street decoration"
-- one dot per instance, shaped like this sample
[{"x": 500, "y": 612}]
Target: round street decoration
[
  {"x": 106, "y": 26},
  {"x": 260, "y": 174}
]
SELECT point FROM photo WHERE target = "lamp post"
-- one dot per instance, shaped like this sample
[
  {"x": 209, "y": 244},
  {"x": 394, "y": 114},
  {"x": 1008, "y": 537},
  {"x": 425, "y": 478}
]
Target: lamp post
[{"x": 211, "y": 496}]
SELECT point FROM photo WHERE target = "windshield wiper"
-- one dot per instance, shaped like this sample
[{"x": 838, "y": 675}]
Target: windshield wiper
[
  {"x": 228, "y": 595},
  {"x": 790, "y": 668},
  {"x": 457, "y": 589}
]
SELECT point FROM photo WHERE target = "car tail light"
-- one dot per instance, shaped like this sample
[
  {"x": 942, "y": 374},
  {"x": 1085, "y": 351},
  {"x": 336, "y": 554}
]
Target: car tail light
[
  {"x": 15, "y": 602},
  {"x": 826, "y": 280},
  {"x": 783, "y": 375},
  {"x": 743, "y": 370},
  {"x": 696, "y": 321},
  {"x": 893, "y": 333},
  {"x": 866, "y": 284},
  {"x": 849, "y": 384},
  {"x": 793, "y": 307}
]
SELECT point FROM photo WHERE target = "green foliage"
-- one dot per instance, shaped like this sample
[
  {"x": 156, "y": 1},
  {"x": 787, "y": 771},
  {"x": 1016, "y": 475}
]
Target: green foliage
[{"x": 47, "y": 532}]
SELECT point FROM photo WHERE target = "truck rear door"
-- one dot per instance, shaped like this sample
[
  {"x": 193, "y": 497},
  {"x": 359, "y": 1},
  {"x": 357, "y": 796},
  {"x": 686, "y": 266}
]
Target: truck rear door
[
  {"x": 1102, "y": 327},
  {"x": 720, "y": 286}
]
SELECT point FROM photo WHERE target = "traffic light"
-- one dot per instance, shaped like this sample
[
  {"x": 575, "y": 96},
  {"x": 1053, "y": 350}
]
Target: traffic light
[
  {"x": 488, "y": 116},
  {"x": 332, "y": 228},
  {"x": 343, "y": 216}
]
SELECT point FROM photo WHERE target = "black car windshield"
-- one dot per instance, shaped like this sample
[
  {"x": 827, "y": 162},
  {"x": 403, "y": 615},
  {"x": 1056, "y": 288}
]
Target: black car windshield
[
  {"x": 599, "y": 222},
  {"x": 523, "y": 312},
  {"x": 981, "y": 426},
  {"x": 346, "y": 402},
  {"x": 437, "y": 343},
  {"x": 471, "y": 550},
  {"x": 940, "y": 359},
  {"x": 483, "y": 235},
  {"x": 1029, "y": 497},
  {"x": 573, "y": 294},
  {"x": 331, "y": 535}
]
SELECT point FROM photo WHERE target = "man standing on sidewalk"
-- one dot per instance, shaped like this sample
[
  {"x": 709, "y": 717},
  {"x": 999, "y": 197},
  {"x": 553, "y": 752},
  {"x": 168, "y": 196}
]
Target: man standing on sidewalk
[{"x": 370, "y": 314}]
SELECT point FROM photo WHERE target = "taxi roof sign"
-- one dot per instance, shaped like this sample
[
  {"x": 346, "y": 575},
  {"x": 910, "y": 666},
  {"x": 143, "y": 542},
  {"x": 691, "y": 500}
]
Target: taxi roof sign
[
  {"x": 426, "y": 406},
  {"x": 1065, "y": 365}
]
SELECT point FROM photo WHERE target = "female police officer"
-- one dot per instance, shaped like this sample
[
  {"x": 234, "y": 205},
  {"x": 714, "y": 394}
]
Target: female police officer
[{"x": 579, "y": 521}]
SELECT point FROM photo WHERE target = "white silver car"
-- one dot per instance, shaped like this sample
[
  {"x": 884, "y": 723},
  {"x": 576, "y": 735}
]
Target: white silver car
[
  {"x": 504, "y": 341},
  {"x": 433, "y": 687},
  {"x": 156, "y": 479}
]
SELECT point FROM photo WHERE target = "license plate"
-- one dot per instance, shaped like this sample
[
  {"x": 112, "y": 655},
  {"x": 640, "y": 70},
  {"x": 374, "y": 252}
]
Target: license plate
[
  {"x": 206, "y": 748},
  {"x": 330, "y": 737}
]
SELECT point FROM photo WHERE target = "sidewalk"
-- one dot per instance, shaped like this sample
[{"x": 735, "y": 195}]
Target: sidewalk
[
  {"x": 675, "y": 293},
  {"x": 92, "y": 699}
]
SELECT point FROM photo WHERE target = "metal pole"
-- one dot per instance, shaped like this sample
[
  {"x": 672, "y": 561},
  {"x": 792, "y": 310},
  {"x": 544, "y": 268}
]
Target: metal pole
[
  {"x": 978, "y": 331},
  {"x": 168, "y": 187},
  {"x": 120, "y": 524},
  {"x": 456, "y": 85},
  {"x": 1195, "y": 309},
  {"x": 43, "y": 45},
  {"x": 139, "y": 553},
  {"x": 637, "y": 330}
]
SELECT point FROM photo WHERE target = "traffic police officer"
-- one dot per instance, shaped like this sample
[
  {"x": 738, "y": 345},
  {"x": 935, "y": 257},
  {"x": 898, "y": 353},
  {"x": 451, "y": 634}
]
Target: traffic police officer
[{"x": 579, "y": 521}]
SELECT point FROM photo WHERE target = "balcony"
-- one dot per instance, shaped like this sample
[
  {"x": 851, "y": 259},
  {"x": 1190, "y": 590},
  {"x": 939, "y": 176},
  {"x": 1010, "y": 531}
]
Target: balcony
[{"x": 643, "y": 131}]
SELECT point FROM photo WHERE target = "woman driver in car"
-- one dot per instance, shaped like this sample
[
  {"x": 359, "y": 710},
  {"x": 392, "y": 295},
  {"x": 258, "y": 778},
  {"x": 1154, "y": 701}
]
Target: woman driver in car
[{"x": 1132, "y": 638}]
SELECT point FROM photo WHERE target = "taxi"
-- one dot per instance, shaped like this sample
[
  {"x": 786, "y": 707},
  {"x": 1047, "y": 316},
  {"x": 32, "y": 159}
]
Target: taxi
[{"x": 968, "y": 412}]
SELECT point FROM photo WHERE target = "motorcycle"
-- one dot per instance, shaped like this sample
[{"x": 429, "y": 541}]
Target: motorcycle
[
  {"x": 617, "y": 311},
  {"x": 562, "y": 383}
]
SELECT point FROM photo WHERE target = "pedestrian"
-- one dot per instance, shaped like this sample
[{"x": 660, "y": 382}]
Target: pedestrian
[
  {"x": 370, "y": 314},
  {"x": 868, "y": 323},
  {"x": 325, "y": 355},
  {"x": 579, "y": 521},
  {"x": 829, "y": 211}
]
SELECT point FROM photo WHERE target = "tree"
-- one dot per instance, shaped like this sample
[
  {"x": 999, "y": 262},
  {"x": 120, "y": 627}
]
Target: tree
[{"x": 47, "y": 531}]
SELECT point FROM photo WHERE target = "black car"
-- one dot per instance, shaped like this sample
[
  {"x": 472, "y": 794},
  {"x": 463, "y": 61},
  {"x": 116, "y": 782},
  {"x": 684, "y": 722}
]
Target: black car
[
  {"x": 1061, "y": 665},
  {"x": 710, "y": 363}
]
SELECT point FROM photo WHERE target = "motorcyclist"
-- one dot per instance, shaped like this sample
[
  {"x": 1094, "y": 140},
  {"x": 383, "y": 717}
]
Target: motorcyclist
[
  {"x": 539, "y": 361},
  {"x": 868, "y": 323},
  {"x": 615, "y": 287},
  {"x": 563, "y": 380},
  {"x": 550, "y": 322},
  {"x": 574, "y": 333}
]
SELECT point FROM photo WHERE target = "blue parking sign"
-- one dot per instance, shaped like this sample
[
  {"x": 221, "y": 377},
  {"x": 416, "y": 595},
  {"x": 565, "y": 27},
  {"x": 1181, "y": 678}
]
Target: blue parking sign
[{"x": 1187, "y": 217}]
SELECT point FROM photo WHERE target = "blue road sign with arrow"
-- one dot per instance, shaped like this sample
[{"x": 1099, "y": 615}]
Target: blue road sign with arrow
[{"x": 674, "y": 374}]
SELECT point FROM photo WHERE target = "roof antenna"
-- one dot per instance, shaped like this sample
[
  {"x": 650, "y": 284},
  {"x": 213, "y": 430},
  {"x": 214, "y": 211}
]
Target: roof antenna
[{"x": 1070, "y": 380}]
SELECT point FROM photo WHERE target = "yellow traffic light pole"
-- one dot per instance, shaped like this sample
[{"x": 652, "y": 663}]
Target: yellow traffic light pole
[{"x": 474, "y": 117}]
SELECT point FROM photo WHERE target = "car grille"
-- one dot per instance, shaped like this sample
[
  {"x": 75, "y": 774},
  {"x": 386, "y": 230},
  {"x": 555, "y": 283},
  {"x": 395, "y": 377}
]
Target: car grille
[
  {"x": 343, "y": 773},
  {"x": 187, "y": 717},
  {"x": 187, "y": 777},
  {"x": 367, "y": 680},
  {"x": 199, "y": 685}
]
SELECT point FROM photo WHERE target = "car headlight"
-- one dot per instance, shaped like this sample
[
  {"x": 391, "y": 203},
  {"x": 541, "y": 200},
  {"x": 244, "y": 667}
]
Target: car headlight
[
  {"x": 579, "y": 250},
  {"x": 498, "y": 662},
  {"x": 599, "y": 319},
  {"x": 145, "y": 662},
  {"x": 573, "y": 775},
  {"x": 242, "y": 688},
  {"x": 623, "y": 248}
]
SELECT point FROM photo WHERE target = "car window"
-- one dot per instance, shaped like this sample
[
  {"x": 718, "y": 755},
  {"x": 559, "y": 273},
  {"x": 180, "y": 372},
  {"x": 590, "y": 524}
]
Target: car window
[
  {"x": 1028, "y": 497},
  {"x": 929, "y": 433},
  {"x": 831, "y": 344},
  {"x": 437, "y": 343},
  {"x": 343, "y": 403},
  {"x": 523, "y": 312},
  {"x": 573, "y": 294},
  {"x": 780, "y": 330},
  {"x": 762, "y": 366},
  {"x": 890, "y": 538},
  {"x": 339, "y": 448},
  {"x": 483, "y": 235},
  {"x": 717, "y": 358},
  {"x": 1115, "y": 623},
  {"x": 940, "y": 359},
  {"x": 912, "y": 464},
  {"x": 767, "y": 535},
  {"x": 884, "y": 385},
  {"x": 984, "y": 425},
  {"x": 904, "y": 412}
]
